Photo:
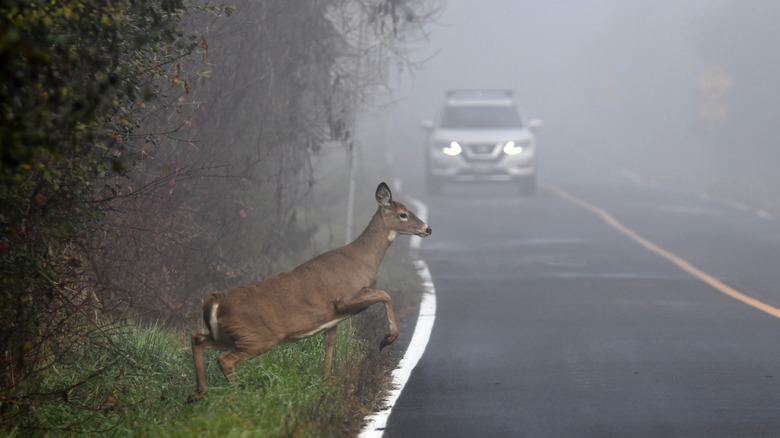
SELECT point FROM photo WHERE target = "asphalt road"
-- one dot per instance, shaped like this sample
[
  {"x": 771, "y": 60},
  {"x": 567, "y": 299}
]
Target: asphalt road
[{"x": 552, "y": 322}]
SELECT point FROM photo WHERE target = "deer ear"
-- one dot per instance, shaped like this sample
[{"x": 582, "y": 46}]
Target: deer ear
[{"x": 383, "y": 195}]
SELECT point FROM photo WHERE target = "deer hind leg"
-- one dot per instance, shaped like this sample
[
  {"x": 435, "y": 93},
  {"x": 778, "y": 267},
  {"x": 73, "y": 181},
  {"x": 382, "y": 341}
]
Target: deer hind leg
[
  {"x": 330, "y": 342},
  {"x": 241, "y": 351},
  {"x": 201, "y": 342},
  {"x": 366, "y": 298},
  {"x": 229, "y": 359}
]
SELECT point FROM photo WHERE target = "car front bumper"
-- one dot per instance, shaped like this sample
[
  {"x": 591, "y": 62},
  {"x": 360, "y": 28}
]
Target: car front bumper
[{"x": 507, "y": 168}]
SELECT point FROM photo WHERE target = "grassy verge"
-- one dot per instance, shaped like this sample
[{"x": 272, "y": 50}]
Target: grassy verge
[{"x": 147, "y": 374}]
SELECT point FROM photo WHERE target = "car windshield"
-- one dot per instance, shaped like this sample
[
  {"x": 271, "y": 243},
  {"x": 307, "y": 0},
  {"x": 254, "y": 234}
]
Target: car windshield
[{"x": 480, "y": 117}]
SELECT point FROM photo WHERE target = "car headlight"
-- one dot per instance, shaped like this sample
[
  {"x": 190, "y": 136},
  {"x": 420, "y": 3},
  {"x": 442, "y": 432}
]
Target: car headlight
[
  {"x": 453, "y": 149},
  {"x": 515, "y": 147}
]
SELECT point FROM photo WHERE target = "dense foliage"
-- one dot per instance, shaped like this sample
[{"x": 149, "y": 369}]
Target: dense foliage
[
  {"x": 71, "y": 72},
  {"x": 154, "y": 150}
]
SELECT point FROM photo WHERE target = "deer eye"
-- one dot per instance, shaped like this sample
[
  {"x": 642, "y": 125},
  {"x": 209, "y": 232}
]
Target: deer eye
[{"x": 403, "y": 216}]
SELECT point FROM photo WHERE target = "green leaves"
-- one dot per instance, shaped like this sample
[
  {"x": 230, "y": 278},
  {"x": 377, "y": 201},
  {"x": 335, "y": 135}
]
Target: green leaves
[
  {"x": 69, "y": 72},
  {"x": 68, "y": 65}
]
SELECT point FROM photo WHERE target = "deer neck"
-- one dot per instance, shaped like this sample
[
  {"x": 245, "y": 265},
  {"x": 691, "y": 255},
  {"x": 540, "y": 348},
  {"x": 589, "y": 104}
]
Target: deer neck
[{"x": 373, "y": 242}]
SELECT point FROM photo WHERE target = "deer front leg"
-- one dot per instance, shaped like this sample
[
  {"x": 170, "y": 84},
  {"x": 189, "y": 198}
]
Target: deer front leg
[
  {"x": 330, "y": 342},
  {"x": 366, "y": 298}
]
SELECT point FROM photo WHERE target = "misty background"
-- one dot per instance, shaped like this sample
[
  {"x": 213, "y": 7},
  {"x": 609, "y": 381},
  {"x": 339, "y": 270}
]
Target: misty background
[
  {"x": 154, "y": 152},
  {"x": 677, "y": 91}
]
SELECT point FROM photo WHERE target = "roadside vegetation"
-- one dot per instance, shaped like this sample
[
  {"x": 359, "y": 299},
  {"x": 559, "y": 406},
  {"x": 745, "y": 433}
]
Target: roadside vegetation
[
  {"x": 283, "y": 393},
  {"x": 152, "y": 152}
]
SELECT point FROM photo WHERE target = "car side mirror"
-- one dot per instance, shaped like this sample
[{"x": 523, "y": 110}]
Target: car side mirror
[
  {"x": 427, "y": 124},
  {"x": 535, "y": 124}
]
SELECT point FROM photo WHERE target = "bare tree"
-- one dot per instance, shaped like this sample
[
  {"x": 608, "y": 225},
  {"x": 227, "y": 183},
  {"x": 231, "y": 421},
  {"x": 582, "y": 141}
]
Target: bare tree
[{"x": 222, "y": 169}]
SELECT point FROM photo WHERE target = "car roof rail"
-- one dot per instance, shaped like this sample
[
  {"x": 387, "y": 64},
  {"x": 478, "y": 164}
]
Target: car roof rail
[{"x": 476, "y": 92}]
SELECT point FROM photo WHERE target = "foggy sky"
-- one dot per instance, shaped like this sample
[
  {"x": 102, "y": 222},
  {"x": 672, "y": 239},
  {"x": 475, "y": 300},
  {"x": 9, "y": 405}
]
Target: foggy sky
[{"x": 620, "y": 75}]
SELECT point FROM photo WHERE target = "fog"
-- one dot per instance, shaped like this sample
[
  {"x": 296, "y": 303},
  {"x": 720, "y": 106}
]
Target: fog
[{"x": 620, "y": 81}]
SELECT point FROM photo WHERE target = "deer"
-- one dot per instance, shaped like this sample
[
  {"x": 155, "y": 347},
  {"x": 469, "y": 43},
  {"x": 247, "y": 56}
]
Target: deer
[{"x": 310, "y": 299}]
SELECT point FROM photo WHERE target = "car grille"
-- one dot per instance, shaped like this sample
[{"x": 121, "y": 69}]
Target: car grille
[{"x": 482, "y": 152}]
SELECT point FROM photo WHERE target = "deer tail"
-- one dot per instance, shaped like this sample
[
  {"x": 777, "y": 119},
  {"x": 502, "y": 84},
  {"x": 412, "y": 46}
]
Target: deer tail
[{"x": 210, "y": 318}]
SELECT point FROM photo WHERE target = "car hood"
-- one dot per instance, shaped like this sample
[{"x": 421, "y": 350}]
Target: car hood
[{"x": 480, "y": 135}]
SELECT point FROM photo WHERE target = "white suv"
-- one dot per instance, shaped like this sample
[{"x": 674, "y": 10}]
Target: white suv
[{"x": 481, "y": 135}]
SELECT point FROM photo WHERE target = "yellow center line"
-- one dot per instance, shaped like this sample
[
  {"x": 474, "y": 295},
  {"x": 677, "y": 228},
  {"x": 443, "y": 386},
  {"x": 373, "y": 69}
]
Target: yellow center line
[{"x": 680, "y": 262}]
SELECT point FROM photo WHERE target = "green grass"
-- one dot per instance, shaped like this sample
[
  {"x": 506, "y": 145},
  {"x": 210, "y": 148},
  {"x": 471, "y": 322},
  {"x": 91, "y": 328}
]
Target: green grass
[
  {"x": 281, "y": 393},
  {"x": 145, "y": 374}
]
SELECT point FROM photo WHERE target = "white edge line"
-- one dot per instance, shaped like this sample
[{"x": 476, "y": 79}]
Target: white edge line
[{"x": 375, "y": 423}]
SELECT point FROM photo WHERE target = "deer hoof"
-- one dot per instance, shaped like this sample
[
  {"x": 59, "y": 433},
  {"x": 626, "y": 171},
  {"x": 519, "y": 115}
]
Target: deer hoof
[
  {"x": 389, "y": 339},
  {"x": 195, "y": 396}
]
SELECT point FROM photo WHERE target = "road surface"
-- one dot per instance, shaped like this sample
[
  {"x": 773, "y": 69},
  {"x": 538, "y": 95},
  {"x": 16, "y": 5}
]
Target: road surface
[{"x": 603, "y": 306}]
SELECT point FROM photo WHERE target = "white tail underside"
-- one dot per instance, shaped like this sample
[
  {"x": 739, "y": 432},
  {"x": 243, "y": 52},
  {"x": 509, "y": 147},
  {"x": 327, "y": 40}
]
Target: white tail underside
[{"x": 214, "y": 324}]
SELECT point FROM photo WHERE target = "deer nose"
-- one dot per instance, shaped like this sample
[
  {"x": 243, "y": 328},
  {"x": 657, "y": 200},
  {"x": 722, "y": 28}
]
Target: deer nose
[{"x": 428, "y": 231}]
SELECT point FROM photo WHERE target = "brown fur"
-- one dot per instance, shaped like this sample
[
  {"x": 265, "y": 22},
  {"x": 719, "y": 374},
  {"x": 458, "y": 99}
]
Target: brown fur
[{"x": 310, "y": 299}]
